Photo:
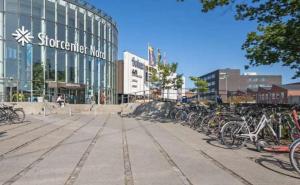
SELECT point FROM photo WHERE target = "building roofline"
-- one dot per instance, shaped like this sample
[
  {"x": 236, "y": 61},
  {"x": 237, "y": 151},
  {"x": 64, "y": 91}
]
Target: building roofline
[
  {"x": 135, "y": 55},
  {"x": 88, "y": 6}
]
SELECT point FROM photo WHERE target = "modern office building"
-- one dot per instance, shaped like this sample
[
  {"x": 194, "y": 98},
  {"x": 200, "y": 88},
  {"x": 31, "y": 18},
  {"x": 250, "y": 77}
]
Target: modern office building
[
  {"x": 223, "y": 82},
  {"x": 51, "y": 47}
]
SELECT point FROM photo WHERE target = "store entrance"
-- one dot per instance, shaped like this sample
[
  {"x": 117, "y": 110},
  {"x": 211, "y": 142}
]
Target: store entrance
[
  {"x": 72, "y": 96},
  {"x": 72, "y": 93}
]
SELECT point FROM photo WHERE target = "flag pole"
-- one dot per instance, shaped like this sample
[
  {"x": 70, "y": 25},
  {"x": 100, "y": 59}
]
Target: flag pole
[{"x": 148, "y": 70}]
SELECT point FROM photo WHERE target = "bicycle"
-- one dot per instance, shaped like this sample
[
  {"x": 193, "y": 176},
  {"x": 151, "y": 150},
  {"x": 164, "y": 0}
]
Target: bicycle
[
  {"x": 234, "y": 134},
  {"x": 10, "y": 114}
]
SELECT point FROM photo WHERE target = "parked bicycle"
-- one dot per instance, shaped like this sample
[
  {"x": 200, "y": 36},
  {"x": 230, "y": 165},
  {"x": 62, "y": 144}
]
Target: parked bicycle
[{"x": 10, "y": 114}]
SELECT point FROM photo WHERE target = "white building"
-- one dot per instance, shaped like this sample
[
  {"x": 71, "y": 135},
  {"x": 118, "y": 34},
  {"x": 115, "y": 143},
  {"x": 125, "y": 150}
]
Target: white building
[{"x": 135, "y": 77}]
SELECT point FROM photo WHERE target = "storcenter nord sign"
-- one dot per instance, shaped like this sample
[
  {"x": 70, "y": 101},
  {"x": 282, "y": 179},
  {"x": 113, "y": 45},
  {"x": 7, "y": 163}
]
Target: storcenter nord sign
[{"x": 24, "y": 36}]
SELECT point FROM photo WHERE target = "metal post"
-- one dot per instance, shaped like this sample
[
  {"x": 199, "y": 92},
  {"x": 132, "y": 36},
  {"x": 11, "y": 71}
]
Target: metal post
[
  {"x": 226, "y": 89},
  {"x": 10, "y": 93},
  {"x": 44, "y": 109},
  {"x": 70, "y": 111}
]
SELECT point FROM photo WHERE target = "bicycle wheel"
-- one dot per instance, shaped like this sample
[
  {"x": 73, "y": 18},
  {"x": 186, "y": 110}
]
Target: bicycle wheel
[
  {"x": 172, "y": 114},
  {"x": 295, "y": 155},
  {"x": 183, "y": 116},
  {"x": 21, "y": 115},
  {"x": 178, "y": 115},
  {"x": 231, "y": 135},
  {"x": 13, "y": 117},
  {"x": 204, "y": 123},
  {"x": 3, "y": 116},
  {"x": 192, "y": 119}
]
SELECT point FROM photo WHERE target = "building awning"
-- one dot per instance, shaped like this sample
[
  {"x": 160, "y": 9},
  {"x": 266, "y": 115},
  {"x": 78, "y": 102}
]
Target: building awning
[{"x": 52, "y": 84}]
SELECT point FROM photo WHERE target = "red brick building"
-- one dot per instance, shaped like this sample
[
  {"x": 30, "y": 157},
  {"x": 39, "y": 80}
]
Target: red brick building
[{"x": 277, "y": 94}]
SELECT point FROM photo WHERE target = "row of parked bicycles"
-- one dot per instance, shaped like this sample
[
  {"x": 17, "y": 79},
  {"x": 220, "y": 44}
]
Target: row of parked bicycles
[
  {"x": 10, "y": 114},
  {"x": 269, "y": 128}
]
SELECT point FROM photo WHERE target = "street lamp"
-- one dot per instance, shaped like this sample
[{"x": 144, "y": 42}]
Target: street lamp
[{"x": 225, "y": 77}]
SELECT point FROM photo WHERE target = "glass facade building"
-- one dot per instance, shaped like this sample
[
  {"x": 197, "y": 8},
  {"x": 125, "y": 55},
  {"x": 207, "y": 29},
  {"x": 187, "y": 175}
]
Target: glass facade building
[{"x": 52, "y": 47}]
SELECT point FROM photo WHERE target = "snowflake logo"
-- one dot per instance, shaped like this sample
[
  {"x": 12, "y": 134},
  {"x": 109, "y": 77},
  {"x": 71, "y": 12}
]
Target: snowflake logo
[{"x": 23, "y": 36}]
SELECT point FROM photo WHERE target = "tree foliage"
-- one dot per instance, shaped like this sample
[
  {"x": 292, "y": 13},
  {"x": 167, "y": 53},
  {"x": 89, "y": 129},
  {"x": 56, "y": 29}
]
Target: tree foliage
[
  {"x": 277, "y": 38},
  {"x": 164, "y": 77},
  {"x": 200, "y": 85}
]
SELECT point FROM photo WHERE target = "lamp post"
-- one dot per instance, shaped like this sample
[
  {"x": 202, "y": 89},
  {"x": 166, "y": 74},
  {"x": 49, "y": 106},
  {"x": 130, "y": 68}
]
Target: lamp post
[{"x": 225, "y": 77}]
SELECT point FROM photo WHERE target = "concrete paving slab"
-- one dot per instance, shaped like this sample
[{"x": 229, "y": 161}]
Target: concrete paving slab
[
  {"x": 241, "y": 161},
  {"x": 63, "y": 160}
]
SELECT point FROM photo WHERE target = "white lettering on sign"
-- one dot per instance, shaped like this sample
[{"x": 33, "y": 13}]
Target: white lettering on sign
[{"x": 64, "y": 45}]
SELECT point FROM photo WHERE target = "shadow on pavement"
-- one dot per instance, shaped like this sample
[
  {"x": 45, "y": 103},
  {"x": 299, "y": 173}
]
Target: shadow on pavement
[
  {"x": 2, "y": 134},
  {"x": 214, "y": 142},
  {"x": 276, "y": 165}
]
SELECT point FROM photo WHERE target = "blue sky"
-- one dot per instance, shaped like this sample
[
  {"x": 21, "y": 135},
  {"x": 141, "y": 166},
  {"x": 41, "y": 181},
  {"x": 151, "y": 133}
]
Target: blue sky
[{"x": 198, "y": 42}]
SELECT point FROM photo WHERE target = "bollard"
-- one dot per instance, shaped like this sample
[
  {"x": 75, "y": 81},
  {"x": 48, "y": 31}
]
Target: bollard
[
  {"x": 44, "y": 111},
  {"x": 70, "y": 111}
]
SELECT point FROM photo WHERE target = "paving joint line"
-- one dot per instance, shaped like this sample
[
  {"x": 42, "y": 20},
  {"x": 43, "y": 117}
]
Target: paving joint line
[
  {"x": 76, "y": 171},
  {"x": 185, "y": 180},
  {"x": 127, "y": 164},
  {"x": 21, "y": 125},
  {"x": 2, "y": 156},
  {"x": 21, "y": 173},
  {"x": 28, "y": 131},
  {"x": 213, "y": 160}
]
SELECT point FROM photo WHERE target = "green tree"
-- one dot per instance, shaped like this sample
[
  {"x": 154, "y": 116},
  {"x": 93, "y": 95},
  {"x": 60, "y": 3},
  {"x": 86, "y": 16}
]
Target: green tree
[
  {"x": 164, "y": 77},
  {"x": 277, "y": 37},
  {"x": 201, "y": 86}
]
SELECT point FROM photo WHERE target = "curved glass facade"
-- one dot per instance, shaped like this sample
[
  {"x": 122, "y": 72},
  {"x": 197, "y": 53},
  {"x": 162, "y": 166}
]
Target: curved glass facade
[{"x": 69, "y": 47}]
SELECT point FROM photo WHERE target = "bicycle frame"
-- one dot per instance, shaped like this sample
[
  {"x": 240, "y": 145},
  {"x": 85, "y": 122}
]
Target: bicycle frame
[{"x": 253, "y": 136}]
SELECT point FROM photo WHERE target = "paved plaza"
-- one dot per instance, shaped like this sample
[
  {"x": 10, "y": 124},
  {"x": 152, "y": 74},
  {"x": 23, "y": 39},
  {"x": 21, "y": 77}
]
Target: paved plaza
[{"x": 110, "y": 150}]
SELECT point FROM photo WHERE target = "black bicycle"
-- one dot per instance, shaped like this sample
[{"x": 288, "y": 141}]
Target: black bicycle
[{"x": 10, "y": 114}]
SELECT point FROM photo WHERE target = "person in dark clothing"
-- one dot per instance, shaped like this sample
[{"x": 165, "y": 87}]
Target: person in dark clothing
[{"x": 219, "y": 100}]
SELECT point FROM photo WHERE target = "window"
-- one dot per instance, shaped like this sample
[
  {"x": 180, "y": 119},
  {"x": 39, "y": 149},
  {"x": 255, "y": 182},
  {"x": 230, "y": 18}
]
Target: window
[
  {"x": 89, "y": 69},
  {"x": 50, "y": 11},
  {"x": 61, "y": 14},
  {"x": 61, "y": 63},
  {"x": 89, "y": 24},
  {"x": 12, "y": 5},
  {"x": 25, "y": 57},
  {"x": 71, "y": 67},
  {"x": 71, "y": 34},
  {"x": 71, "y": 18},
  {"x": 96, "y": 72},
  {"x": 36, "y": 26},
  {"x": 11, "y": 25},
  {"x": 25, "y": 6},
  {"x": 80, "y": 20},
  {"x": 37, "y": 70},
  {"x": 50, "y": 29},
  {"x": 81, "y": 68},
  {"x": 1, "y": 5},
  {"x": 37, "y": 8},
  {"x": 26, "y": 22},
  {"x": 102, "y": 73},
  {"x": 96, "y": 27},
  {"x": 50, "y": 64},
  {"x": 61, "y": 32}
]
